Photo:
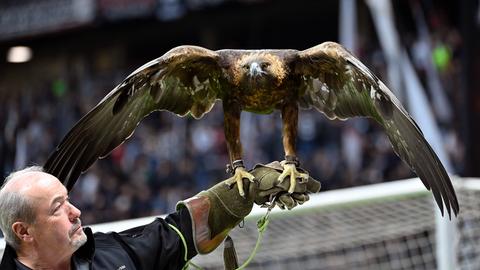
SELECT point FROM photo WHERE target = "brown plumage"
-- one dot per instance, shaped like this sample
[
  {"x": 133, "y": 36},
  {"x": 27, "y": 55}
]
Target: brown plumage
[{"x": 189, "y": 79}]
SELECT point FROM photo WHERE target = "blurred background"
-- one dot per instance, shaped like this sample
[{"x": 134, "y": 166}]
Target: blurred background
[{"x": 58, "y": 58}]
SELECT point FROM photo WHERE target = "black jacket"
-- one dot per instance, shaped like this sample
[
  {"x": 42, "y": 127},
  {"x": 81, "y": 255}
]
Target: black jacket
[{"x": 152, "y": 246}]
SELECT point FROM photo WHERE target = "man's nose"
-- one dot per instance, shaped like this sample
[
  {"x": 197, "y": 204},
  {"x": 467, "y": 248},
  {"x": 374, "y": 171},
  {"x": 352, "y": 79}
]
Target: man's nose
[{"x": 74, "y": 212}]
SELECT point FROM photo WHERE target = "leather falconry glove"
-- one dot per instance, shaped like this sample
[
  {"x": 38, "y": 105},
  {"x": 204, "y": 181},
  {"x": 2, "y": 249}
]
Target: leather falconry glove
[{"x": 218, "y": 210}]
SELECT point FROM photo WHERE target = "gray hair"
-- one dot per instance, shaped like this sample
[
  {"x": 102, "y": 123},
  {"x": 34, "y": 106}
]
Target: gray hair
[{"x": 15, "y": 207}]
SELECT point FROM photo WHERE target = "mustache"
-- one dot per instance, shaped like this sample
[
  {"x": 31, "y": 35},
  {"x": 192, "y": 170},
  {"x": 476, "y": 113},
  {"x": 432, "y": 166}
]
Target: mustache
[{"x": 76, "y": 225}]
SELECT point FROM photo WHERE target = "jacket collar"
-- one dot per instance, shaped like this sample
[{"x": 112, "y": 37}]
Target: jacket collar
[{"x": 8, "y": 259}]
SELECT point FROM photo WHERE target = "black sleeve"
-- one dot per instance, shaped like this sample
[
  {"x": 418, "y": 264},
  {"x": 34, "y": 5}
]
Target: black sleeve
[{"x": 157, "y": 245}]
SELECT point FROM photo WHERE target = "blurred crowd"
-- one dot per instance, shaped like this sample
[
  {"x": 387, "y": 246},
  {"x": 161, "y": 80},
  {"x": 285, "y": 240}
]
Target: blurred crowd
[{"x": 170, "y": 158}]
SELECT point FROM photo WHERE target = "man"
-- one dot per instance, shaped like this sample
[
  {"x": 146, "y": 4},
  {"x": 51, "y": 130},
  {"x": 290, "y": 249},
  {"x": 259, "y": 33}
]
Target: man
[{"x": 43, "y": 229}]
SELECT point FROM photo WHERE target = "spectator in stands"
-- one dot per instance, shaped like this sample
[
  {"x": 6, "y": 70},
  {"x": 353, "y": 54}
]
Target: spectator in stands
[{"x": 43, "y": 228}]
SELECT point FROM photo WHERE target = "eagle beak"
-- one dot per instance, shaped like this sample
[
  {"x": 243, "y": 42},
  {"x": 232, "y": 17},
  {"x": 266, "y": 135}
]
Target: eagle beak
[{"x": 255, "y": 69}]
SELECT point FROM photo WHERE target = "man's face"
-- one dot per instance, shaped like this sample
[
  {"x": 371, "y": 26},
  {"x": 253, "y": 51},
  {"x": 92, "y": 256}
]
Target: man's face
[{"x": 57, "y": 224}]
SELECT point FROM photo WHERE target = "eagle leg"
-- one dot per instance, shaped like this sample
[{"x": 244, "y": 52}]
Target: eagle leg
[
  {"x": 231, "y": 112},
  {"x": 290, "y": 122}
]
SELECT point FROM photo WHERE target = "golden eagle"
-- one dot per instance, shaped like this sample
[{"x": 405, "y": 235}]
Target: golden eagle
[{"x": 189, "y": 79}]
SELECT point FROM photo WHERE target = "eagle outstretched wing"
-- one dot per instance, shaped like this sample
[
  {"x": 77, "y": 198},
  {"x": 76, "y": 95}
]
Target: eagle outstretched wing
[
  {"x": 184, "y": 80},
  {"x": 340, "y": 86}
]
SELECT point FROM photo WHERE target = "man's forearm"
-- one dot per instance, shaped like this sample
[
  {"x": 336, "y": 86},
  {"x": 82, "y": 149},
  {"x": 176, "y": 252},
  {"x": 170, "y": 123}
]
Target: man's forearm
[{"x": 214, "y": 213}]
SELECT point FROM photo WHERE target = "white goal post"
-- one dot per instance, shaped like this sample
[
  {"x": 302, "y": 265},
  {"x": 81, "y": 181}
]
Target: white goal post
[{"x": 383, "y": 226}]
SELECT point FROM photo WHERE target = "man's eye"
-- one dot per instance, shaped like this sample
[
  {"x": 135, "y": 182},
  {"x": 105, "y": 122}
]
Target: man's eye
[{"x": 57, "y": 208}]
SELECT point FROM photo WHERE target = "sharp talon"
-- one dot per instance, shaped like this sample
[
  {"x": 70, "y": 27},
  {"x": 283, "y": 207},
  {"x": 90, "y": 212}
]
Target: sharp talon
[{"x": 282, "y": 177}]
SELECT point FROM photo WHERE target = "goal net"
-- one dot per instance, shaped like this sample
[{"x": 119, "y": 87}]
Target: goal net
[{"x": 384, "y": 226}]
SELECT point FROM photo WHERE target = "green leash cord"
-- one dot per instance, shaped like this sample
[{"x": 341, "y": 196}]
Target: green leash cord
[
  {"x": 262, "y": 227},
  {"x": 262, "y": 224}
]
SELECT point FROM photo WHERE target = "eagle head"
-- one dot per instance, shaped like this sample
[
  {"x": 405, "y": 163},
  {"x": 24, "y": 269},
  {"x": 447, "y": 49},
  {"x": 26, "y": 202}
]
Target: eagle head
[{"x": 260, "y": 70}]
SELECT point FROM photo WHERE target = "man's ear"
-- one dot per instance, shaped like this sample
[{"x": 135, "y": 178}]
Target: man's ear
[{"x": 21, "y": 229}]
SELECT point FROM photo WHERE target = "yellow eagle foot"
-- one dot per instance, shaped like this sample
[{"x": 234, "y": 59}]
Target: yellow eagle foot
[
  {"x": 289, "y": 169},
  {"x": 237, "y": 178}
]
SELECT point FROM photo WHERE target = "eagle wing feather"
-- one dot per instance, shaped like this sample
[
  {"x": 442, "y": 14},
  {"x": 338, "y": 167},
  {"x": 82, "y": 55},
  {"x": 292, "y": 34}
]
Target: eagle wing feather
[
  {"x": 340, "y": 86},
  {"x": 184, "y": 80}
]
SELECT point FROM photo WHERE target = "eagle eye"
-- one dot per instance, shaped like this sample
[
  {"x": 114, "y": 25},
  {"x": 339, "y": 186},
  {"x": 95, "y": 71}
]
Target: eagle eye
[{"x": 265, "y": 65}]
